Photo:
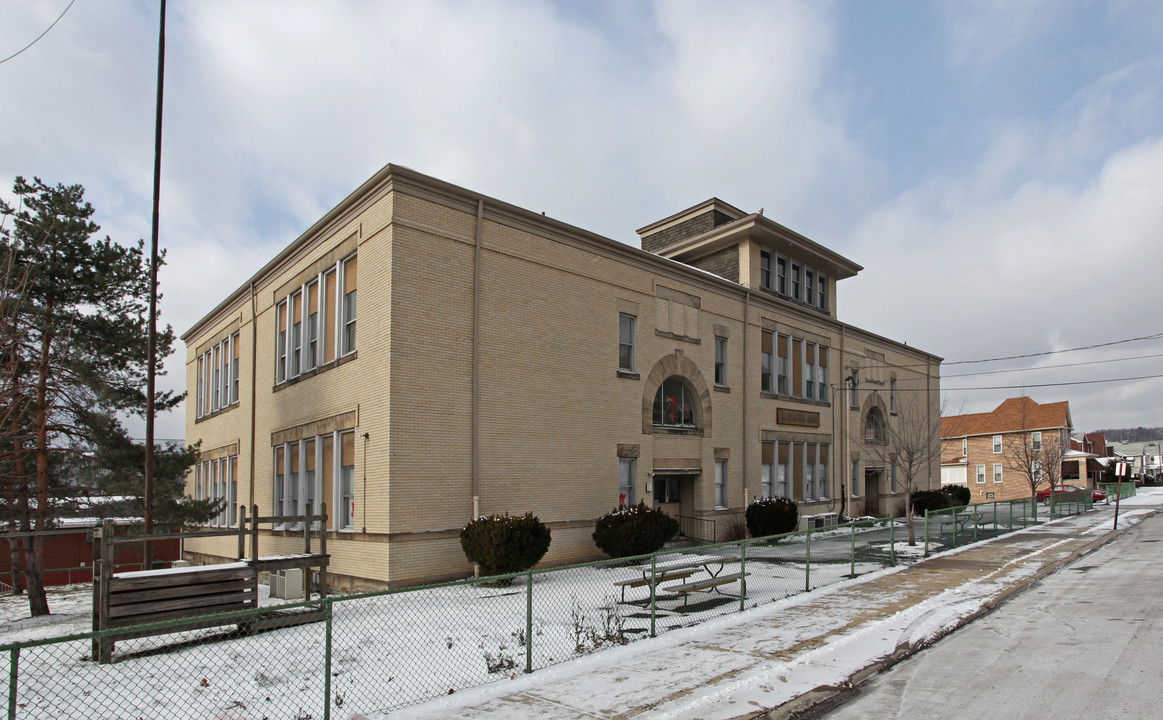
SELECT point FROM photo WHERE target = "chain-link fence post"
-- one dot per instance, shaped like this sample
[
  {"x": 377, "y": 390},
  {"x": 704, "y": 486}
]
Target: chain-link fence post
[
  {"x": 926, "y": 533},
  {"x": 742, "y": 574},
  {"x": 892, "y": 541},
  {"x": 529, "y": 621},
  {"x": 326, "y": 646},
  {"x": 808, "y": 563},
  {"x": 852, "y": 566},
  {"x": 653, "y": 586},
  {"x": 13, "y": 677}
]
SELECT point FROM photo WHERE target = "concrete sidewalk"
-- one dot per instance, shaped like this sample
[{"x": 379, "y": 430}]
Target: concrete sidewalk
[{"x": 787, "y": 655}]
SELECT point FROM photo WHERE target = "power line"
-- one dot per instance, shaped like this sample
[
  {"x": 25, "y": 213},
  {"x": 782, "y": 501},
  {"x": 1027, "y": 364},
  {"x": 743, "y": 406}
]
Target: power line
[
  {"x": 1059, "y": 384},
  {"x": 1156, "y": 336},
  {"x": 1051, "y": 367},
  {"x": 38, "y": 37}
]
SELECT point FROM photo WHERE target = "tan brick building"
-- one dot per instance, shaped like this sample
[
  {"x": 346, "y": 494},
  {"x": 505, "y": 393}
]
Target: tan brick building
[
  {"x": 996, "y": 453},
  {"x": 501, "y": 361}
]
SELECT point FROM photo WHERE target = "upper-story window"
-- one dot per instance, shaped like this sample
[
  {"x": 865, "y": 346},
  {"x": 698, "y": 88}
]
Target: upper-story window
[
  {"x": 809, "y": 286},
  {"x": 315, "y": 323},
  {"x": 626, "y": 331},
  {"x": 797, "y": 280},
  {"x": 674, "y": 404},
  {"x": 874, "y": 426},
  {"x": 1036, "y": 441},
  {"x": 822, "y": 290},
  {"x": 765, "y": 279},
  {"x": 720, "y": 361},
  {"x": 218, "y": 377},
  {"x": 997, "y": 444},
  {"x": 892, "y": 397},
  {"x": 765, "y": 360},
  {"x": 781, "y": 276}
]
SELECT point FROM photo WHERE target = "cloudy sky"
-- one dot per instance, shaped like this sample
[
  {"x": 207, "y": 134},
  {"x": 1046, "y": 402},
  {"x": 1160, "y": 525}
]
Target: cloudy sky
[{"x": 995, "y": 165}]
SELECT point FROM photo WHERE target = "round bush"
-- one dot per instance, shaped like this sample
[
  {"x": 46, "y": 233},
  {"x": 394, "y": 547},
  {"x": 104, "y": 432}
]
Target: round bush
[
  {"x": 772, "y": 516},
  {"x": 958, "y": 495},
  {"x": 929, "y": 500},
  {"x": 503, "y": 544},
  {"x": 635, "y": 530}
]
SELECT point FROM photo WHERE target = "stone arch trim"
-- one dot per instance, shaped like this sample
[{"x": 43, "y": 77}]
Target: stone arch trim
[
  {"x": 873, "y": 401},
  {"x": 685, "y": 368}
]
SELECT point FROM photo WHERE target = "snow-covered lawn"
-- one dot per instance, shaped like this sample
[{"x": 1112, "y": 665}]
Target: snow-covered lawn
[{"x": 392, "y": 650}]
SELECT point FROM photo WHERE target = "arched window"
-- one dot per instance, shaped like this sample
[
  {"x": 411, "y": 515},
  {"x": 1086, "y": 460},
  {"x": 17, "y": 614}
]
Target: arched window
[
  {"x": 674, "y": 404},
  {"x": 874, "y": 426}
]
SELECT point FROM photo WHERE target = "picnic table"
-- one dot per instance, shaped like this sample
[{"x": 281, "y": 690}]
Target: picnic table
[{"x": 710, "y": 566}]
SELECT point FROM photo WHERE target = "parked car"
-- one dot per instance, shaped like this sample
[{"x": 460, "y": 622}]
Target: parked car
[{"x": 1044, "y": 494}]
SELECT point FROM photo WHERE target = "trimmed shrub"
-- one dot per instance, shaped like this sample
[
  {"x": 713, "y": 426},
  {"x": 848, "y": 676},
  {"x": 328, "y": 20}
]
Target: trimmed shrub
[
  {"x": 929, "y": 500},
  {"x": 772, "y": 516},
  {"x": 503, "y": 544},
  {"x": 958, "y": 495},
  {"x": 635, "y": 530}
]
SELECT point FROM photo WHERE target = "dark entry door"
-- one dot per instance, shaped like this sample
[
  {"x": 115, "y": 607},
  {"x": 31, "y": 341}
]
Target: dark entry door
[{"x": 872, "y": 492}]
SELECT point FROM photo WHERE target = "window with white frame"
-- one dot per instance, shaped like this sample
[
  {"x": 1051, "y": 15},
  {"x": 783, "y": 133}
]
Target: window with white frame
[
  {"x": 809, "y": 454},
  {"x": 1037, "y": 471},
  {"x": 217, "y": 383},
  {"x": 854, "y": 390},
  {"x": 809, "y": 286},
  {"x": 783, "y": 471},
  {"x": 767, "y": 470},
  {"x": 822, "y": 472},
  {"x": 822, "y": 373},
  {"x": 809, "y": 370},
  {"x": 997, "y": 478},
  {"x": 315, "y": 322},
  {"x": 892, "y": 397},
  {"x": 892, "y": 478},
  {"x": 1036, "y": 441},
  {"x": 782, "y": 366},
  {"x": 720, "y": 483},
  {"x": 346, "y": 494},
  {"x": 815, "y": 371},
  {"x": 626, "y": 330},
  {"x": 964, "y": 447},
  {"x": 980, "y": 474},
  {"x": 765, "y": 279},
  {"x": 765, "y": 358},
  {"x": 797, "y": 281},
  {"x": 855, "y": 478},
  {"x": 997, "y": 444},
  {"x": 781, "y": 275},
  {"x": 305, "y": 473},
  {"x": 822, "y": 282},
  {"x": 674, "y": 404},
  {"x": 720, "y": 361},
  {"x": 216, "y": 480},
  {"x": 627, "y": 468}
]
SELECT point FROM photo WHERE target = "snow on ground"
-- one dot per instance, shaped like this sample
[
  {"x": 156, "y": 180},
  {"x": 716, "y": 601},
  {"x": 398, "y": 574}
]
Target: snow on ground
[{"x": 394, "y": 650}]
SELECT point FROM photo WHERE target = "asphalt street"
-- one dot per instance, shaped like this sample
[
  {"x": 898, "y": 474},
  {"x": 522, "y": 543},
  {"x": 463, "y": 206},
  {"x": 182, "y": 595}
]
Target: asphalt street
[{"x": 1085, "y": 642}]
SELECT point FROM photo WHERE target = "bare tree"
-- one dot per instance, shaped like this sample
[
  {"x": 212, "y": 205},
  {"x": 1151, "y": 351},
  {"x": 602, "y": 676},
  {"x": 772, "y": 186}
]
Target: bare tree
[
  {"x": 911, "y": 447},
  {"x": 1035, "y": 455}
]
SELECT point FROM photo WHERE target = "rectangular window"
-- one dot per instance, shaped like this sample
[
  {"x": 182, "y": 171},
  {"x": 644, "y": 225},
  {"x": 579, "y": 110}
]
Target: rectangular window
[
  {"x": 294, "y": 481},
  {"x": 892, "y": 478},
  {"x": 997, "y": 444},
  {"x": 296, "y": 334},
  {"x": 233, "y": 497},
  {"x": 348, "y": 324},
  {"x": 964, "y": 447},
  {"x": 234, "y": 369},
  {"x": 665, "y": 489},
  {"x": 854, "y": 389},
  {"x": 822, "y": 373},
  {"x": 216, "y": 376},
  {"x": 809, "y": 471},
  {"x": 980, "y": 474},
  {"x": 822, "y": 472},
  {"x": 1037, "y": 471},
  {"x": 327, "y": 317},
  {"x": 281, "y": 343},
  {"x": 810, "y": 370},
  {"x": 822, "y": 295},
  {"x": 329, "y": 490},
  {"x": 767, "y": 469},
  {"x": 892, "y": 399},
  {"x": 796, "y": 281},
  {"x": 347, "y": 479},
  {"x": 765, "y": 269},
  {"x": 198, "y": 389},
  {"x": 309, "y": 475},
  {"x": 997, "y": 478},
  {"x": 809, "y": 286},
  {"x": 311, "y": 354},
  {"x": 855, "y": 478},
  {"x": 783, "y": 471},
  {"x": 627, "y": 468},
  {"x": 627, "y": 327},
  {"x": 212, "y": 488},
  {"x": 721, "y": 483},
  {"x": 720, "y": 361},
  {"x": 781, "y": 366},
  {"x": 280, "y": 482},
  {"x": 781, "y": 276},
  {"x": 1036, "y": 441},
  {"x": 765, "y": 383}
]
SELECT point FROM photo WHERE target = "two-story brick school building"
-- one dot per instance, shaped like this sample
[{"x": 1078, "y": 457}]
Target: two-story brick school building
[{"x": 501, "y": 361}]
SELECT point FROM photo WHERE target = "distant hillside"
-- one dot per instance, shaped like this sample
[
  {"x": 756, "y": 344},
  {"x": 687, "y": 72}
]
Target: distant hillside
[{"x": 1139, "y": 434}]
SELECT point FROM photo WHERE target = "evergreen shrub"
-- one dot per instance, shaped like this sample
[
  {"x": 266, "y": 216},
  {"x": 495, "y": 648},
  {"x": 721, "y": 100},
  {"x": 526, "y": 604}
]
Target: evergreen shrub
[
  {"x": 503, "y": 544},
  {"x": 772, "y": 516},
  {"x": 957, "y": 495},
  {"x": 929, "y": 500},
  {"x": 634, "y": 530}
]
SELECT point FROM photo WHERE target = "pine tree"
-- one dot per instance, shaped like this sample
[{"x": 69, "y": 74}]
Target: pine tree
[{"x": 79, "y": 361}]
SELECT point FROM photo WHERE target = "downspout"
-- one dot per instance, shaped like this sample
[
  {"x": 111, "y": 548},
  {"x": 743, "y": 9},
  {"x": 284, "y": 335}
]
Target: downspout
[
  {"x": 253, "y": 382},
  {"x": 747, "y": 394},
  {"x": 844, "y": 426},
  {"x": 476, "y": 317}
]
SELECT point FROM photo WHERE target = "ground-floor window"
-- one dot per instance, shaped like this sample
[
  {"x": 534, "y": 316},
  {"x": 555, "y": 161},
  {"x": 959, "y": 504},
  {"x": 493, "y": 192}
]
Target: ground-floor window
[
  {"x": 304, "y": 478},
  {"x": 721, "y": 483},
  {"x": 626, "y": 474},
  {"x": 217, "y": 480}
]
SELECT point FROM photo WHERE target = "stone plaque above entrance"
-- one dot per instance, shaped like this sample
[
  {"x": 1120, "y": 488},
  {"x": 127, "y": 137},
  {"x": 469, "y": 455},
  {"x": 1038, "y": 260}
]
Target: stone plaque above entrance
[{"x": 803, "y": 418}]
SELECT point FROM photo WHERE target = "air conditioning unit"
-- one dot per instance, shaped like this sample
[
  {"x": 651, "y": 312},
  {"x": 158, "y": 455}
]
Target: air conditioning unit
[
  {"x": 287, "y": 584},
  {"x": 827, "y": 519}
]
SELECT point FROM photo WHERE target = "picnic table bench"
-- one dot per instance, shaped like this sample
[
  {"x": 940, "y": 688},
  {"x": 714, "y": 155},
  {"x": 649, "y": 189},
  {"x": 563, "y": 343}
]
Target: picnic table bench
[
  {"x": 712, "y": 584},
  {"x": 677, "y": 570}
]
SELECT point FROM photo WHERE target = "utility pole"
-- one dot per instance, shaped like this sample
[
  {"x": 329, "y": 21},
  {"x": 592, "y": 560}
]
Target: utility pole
[{"x": 151, "y": 340}]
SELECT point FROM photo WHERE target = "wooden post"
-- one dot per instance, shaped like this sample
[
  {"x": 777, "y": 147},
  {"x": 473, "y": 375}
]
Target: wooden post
[
  {"x": 323, "y": 551},
  {"x": 241, "y": 532},
  {"x": 103, "y": 646}
]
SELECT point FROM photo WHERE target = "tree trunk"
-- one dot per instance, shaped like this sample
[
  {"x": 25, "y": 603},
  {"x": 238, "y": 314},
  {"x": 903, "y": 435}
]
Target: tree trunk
[
  {"x": 34, "y": 569},
  {"x": 14, "y": 548}
]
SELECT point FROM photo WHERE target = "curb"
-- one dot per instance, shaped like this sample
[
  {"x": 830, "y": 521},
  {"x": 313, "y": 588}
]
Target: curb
[{"x": 826, "y": 697}]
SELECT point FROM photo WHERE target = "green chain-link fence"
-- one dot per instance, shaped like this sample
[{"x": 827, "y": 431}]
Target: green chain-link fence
[{"x": 375, "y": 652}]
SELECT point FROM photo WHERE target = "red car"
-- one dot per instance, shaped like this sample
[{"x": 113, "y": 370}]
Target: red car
[{"x": 1044, "y": 494}]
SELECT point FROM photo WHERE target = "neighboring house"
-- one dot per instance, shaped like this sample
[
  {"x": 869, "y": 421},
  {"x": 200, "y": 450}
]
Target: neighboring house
[
  {"x": 507, "y": 362},
  {"x": 1143, "y": 456},
  {"x": 1095, "y": 446},
  {"x": 995, "y": 453}
]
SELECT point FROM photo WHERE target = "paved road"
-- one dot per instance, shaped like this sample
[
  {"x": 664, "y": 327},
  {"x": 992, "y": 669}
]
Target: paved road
[{"x": 1083, "y": 643}]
